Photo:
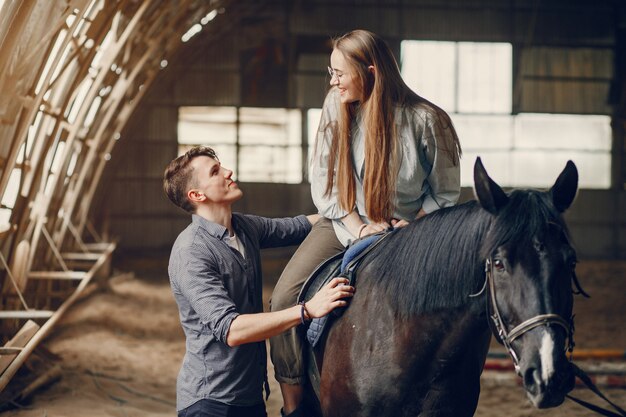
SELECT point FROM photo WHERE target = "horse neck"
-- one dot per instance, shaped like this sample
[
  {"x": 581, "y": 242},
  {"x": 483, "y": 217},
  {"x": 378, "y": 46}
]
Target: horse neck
[{"x": 434, "y": 263}]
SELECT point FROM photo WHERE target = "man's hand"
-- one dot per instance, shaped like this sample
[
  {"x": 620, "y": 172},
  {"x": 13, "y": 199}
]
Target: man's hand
[{"x": 329, "y": 297}]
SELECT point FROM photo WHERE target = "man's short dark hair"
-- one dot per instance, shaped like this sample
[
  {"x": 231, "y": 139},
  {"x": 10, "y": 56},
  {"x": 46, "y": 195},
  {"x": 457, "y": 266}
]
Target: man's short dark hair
[{"x": 177, "y": 178}]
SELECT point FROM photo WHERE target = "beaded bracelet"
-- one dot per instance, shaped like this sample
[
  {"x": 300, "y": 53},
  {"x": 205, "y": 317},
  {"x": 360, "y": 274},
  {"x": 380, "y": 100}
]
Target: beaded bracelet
[{"x": 303, "y": 313}]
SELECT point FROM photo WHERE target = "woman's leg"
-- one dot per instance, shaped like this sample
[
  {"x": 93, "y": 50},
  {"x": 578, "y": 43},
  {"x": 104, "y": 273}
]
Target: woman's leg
[{"x": 286, "y": 348}]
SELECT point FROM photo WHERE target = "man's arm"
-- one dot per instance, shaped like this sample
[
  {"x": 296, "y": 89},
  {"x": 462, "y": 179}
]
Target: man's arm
[{"x": 249, "y": 328}]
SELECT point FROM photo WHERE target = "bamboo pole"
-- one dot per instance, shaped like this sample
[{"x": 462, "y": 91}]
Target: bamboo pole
[{"x": 19, "y": 360}]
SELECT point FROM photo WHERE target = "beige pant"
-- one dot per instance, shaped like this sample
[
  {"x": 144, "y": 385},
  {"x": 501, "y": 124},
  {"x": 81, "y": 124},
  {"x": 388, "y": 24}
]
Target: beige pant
[{"x": 286, "y": 348}]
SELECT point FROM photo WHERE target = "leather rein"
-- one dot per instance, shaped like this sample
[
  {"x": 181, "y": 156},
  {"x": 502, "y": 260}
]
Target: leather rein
[{"x": 508, "y": 336}]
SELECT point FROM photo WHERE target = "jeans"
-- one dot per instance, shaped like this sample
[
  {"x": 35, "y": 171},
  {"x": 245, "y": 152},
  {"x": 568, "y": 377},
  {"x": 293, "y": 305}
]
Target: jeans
[{"x": 210, "y": 408}]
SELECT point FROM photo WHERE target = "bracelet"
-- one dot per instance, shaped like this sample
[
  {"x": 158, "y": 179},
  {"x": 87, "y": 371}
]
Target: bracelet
[
  {"x": 303, "y": 313},
  {"x": 363, "y": 226}
]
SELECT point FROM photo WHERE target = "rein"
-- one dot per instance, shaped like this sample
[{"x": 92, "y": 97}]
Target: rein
[
  {"x": 507, "y": 338},
  {"x": 589, "y": 383}
]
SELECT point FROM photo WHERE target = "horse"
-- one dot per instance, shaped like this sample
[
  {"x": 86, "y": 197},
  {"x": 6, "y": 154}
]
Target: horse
[{"x": 414, "y": 339}]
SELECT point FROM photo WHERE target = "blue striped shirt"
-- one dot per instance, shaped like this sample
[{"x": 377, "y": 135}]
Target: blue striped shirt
[{"x": 212, "y": 284}]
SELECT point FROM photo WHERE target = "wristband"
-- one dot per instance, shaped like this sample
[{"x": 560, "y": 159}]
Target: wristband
[
  {"x": 363, "y": 226},
  {"x": 303, "y": 313}
]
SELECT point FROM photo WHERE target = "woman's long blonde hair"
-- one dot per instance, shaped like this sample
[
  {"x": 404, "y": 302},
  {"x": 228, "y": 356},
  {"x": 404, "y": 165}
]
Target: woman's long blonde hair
[{"x": 383, "y": 90}]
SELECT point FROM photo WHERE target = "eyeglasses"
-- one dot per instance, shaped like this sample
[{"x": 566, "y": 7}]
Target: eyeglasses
[{"x": 334, "y": 73}]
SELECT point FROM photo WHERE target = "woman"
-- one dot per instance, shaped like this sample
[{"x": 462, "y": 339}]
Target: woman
[{"x": 384, "y": 156}]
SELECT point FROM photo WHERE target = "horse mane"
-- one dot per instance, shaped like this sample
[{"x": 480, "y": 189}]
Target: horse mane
[
  {"x": 431, "y": 263},
  {"x": 436, "y": 262}
]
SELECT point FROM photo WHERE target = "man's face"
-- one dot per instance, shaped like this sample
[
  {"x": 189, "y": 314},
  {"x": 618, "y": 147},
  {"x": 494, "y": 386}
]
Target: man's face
[{"x": 214, "y": 181}]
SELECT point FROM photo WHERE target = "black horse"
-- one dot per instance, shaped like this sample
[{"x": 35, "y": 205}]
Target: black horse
[{"x": 414, "y": 340}]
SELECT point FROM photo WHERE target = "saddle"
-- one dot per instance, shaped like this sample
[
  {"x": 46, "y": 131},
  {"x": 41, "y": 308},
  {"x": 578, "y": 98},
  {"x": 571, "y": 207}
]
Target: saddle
[{"x": 344, "y": 264}]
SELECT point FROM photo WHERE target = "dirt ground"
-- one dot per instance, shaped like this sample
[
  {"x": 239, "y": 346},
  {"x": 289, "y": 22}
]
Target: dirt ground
[{"x": 120, "y": 350}]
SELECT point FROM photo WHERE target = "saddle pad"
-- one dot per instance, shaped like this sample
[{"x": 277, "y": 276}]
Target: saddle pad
[
  {"x": 339, "y": 265},
  {"x": 356, "y": 248}
]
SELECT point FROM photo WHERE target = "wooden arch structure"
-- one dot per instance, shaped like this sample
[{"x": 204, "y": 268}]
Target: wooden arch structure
[{"x": 71, "y": 74}]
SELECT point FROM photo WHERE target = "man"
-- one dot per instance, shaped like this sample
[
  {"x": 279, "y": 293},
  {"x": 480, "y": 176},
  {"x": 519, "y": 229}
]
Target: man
[{"x": 215, "y": 274}]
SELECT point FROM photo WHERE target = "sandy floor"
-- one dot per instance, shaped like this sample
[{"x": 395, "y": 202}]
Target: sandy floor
[{"x": 120, "y": 350}]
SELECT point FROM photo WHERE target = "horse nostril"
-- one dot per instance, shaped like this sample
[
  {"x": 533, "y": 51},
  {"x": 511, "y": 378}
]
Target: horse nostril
[{"x": 532, "y": 380}]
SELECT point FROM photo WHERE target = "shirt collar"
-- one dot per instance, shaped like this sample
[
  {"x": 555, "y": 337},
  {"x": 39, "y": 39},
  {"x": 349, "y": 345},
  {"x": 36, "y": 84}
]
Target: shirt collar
[{"x": 212, "y": 228}]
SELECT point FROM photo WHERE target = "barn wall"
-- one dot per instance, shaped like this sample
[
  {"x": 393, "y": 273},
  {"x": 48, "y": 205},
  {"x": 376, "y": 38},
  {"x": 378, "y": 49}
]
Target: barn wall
[{"x": 566, "y": 53}]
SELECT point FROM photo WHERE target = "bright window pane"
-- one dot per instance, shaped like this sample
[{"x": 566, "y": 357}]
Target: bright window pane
[
  {"x": 259, "y": 126},
  {"x": 428, "y": 68},
  {"x": 538, "y": 147},
  {"x": 270, "y": 164},
  {"x": 207, "y": 125},
  {"x": 536, "y": 169},
  {"x": 258, "y": 144},
  {"x": 563, "y": 131},
  {"x": 485, "y": 77},
  {"x": 488, "y": 132},
  {"x": 473, "y": 82},
  {"x": 540, "y": 168},
  {"x": 497, "y": 162}
]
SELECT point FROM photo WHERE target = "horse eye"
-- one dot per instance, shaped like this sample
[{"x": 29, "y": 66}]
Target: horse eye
[{"x": 498, "y": 264}]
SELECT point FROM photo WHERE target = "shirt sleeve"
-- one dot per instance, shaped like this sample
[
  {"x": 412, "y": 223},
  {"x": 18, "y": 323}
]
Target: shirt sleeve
[
  {"x": 201, "y": 283},
  {"x": 279, "y": 232},
  {"x": 444, "y": 179},
  {"x": 327, "y": 205}
]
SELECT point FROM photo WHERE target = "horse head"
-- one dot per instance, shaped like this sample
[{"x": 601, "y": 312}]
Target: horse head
[{"x": 530, "y": 265}]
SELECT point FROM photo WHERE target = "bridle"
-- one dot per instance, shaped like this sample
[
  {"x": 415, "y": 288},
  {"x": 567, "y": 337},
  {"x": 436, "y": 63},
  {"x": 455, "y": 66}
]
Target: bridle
[{"x": 508, "y": 336}]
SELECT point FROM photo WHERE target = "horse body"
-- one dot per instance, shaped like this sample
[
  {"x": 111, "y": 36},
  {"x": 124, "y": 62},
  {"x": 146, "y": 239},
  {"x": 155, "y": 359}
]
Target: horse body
[
  {"x": 414, "y": 342},
  {"x": 399, "y": 374}
]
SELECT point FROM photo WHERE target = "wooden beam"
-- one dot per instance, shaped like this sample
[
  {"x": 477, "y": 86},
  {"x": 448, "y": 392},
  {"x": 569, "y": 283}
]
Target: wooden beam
[
  {"x": 20, "y": 340},
  {"x": 14, "y": 365},
  {"x": 80, "y": 256},
  {"x": 64, "y": 275},
  {"x": 26, "y": 314},
  {"x": 97, "y": 246},
  {"x": 10, "y": 350}
]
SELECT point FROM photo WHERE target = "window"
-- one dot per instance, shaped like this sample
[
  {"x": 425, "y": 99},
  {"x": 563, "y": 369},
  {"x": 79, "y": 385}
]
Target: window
[
  {"x": 211, "y": 126},
  {"x": 258, "y": 144},
  {"x": 473, "y": 82}
]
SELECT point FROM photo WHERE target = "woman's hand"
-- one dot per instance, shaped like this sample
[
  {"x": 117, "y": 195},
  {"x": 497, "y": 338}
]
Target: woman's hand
[
  {"x": 329, "y": 297},
  {"x": 398, "y": 223},
  {"x": 372, "y": 228}
]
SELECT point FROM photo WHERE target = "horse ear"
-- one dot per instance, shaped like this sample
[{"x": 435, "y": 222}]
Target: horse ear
[
  {"x": 564, "y": 189},
  {"x": 488, "y": 193}
]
